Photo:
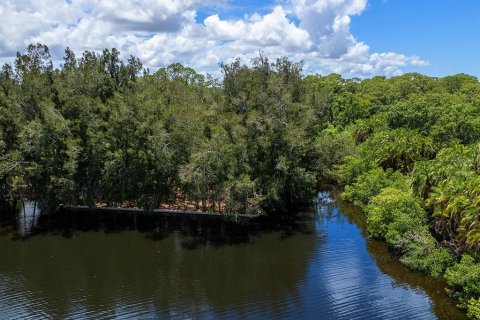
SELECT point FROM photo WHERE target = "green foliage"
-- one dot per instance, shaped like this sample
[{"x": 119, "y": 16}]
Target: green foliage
[
  {"x": 392, "y": 213},
  {"x": 428, "y": 129},
  {"x": 421, "y": 252},
  {"x": 96, "y": 130},
  {"x": 464, "y": 279},
  {"x": 450, "y": 186},
  {"x": 241, "y": 196},
  {"x": 473, "y": 308},
  {"x": 397, "y": 216},
  {"x": 332, "y": 148},
  {"x": 445, "y": 118},
  {"x": 370, "y": 183},
  {"x": 365, "y": 128},
  {"x": 455, "y": 83},
  {"x": 398, "y": 149},
  {"x": 351, "y": 168}
]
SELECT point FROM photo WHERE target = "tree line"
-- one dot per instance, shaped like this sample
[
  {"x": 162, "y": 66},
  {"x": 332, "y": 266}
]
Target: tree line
[
  {"x": 261, "y": 139},
  {"x": 98, "y": 129}
]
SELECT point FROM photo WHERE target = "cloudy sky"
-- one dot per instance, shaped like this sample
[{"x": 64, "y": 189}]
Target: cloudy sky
[{"x": 352, "y": 37}]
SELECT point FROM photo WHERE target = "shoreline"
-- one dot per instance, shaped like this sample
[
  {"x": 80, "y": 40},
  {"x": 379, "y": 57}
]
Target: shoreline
[{"x": 157, "y": 211}]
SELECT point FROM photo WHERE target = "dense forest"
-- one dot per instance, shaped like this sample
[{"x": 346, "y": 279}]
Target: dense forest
[{"x": 261, "y": 139}]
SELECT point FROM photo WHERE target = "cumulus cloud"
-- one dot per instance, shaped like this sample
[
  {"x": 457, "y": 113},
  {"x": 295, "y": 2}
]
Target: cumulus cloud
[
  {"x": 272, "y": 30},
  {"x": 160, "y": 32},
  {"x": 147, "y": 15},
  {"x": 357, "y": 62},
  {"x": 328, "y": 22}
]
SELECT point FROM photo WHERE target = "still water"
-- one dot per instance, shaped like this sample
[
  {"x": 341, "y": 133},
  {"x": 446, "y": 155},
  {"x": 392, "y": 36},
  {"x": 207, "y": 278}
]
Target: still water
[{"x": 84, "y": 266}]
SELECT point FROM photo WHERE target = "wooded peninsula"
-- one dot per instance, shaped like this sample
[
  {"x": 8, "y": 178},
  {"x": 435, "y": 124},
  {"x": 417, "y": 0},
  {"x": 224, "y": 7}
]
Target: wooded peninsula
[{"x": 263, "y": 138}]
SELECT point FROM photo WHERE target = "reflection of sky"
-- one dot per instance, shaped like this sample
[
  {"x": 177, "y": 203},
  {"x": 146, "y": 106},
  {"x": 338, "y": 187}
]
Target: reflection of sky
[
  {"x": 28, "y": 217},
  {"x": 343, "y": 281}
]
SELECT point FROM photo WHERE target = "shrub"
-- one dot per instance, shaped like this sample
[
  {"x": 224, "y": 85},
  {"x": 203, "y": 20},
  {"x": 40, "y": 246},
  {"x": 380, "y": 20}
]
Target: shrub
[
  {"x": 392, "y": 213},
  {"x": 370, "y": 183},
  {"x": 397, "y": 216},
  {"x": 473, "y": 308},
  {"x": 421, "y": 253},
  {"x": 352, "y": 167},
  {"x": 464, "y": 279}
]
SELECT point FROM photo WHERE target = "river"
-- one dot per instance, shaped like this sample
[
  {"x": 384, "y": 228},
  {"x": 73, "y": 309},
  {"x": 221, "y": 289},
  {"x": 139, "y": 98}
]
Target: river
[{"x": 100, "y": 266}]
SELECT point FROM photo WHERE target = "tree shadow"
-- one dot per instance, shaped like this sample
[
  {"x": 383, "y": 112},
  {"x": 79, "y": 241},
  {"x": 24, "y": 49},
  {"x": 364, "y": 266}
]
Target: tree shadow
[{"x": 195, "y": 231}]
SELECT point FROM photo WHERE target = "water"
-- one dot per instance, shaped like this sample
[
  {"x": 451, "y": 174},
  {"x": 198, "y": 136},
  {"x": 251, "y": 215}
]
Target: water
[{"x": 83, "y": 266}]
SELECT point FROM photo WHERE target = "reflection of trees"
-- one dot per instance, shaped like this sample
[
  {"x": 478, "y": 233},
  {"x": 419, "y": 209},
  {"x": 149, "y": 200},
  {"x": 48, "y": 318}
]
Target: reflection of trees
[
  {"x": 388, "y": 263},
  {"x": 173, "y": 270}
]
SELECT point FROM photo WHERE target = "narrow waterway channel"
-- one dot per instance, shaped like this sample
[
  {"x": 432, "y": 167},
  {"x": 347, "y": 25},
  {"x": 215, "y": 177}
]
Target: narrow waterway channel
[{"x": 100, "y": 266}]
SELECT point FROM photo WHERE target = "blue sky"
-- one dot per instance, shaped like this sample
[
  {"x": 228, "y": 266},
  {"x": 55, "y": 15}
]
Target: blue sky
[
  {"x": 444, "y": 32},
  {"x": 356, "y": 38}
]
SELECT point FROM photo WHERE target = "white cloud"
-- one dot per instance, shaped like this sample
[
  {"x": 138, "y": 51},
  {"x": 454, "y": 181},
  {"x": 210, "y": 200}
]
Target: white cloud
[
  {"x": 147, "y": 15},
  {"x": 272, "y": 30},
  {"x": 328, "y": 23},
  {"x": 160, "y": 32},
  {"x": 357, "y": 62}
]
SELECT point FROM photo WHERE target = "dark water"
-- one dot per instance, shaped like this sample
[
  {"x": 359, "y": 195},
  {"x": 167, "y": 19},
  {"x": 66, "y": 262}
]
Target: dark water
[{"x": 82, "y": 266}]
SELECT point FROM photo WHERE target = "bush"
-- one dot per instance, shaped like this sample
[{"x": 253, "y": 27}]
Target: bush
[
  {"x": 421, "y": 253},
  {"x": 473, "y": 308},
  {"x": 352, "y": 167},
  {"x": 464, "y": 279},
  {"x": 397, "y": 216},
  {"x": 370, "y": 183},
  {"x": 393, "y": 213}
]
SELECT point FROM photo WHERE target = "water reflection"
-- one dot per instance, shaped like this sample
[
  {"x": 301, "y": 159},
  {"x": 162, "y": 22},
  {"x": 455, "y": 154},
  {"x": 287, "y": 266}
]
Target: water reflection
[
  {"x": 443, "y": 306},
  {"x": 77, "y": 265},
  {"x": 21, "y": 219},
  {"x": 28, "y": 217},
  {"x": 101, "y": 266}
]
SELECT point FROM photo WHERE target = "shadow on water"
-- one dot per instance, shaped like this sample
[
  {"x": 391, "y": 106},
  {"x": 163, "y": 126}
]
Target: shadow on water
[
  {"x": 198, "y": 231},
  {"x": 28, "y": 221},
  {"x": 71, "y": 265},
  {"x": 443, "y": 306}
]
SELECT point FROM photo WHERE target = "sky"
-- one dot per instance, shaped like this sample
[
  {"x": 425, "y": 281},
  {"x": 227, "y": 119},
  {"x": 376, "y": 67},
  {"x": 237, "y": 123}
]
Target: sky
[{"x": 355, "y": 38}]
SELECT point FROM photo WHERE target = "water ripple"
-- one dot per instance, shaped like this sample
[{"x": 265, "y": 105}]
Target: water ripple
[{"x": 334, "y": 273}]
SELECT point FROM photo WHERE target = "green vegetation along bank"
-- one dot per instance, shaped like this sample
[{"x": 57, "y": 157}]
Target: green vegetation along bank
[{"x": 262, "y": 139}]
